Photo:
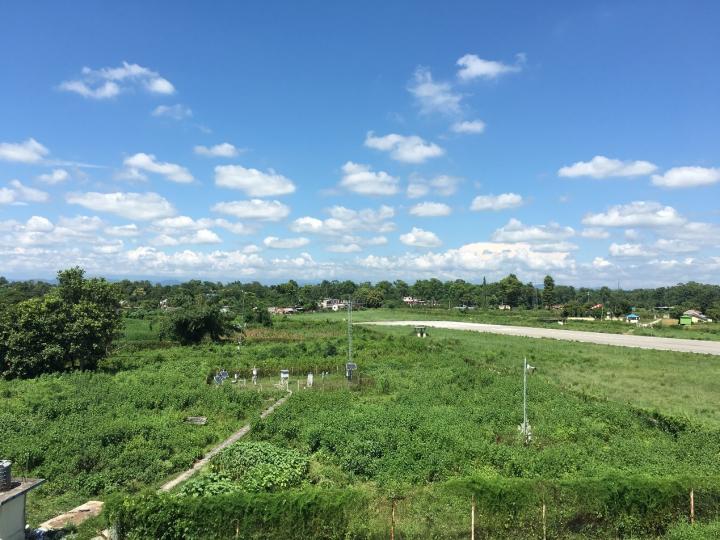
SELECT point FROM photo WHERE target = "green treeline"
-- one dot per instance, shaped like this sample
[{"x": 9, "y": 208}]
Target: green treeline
[{"x": 243, "y": 297}]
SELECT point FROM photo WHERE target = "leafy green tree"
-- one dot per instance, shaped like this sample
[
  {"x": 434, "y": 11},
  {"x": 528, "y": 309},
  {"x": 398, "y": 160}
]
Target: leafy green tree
[
  {"x": 192, "y": 325},
  {"x": 512, "y": 290},
  {"x": 71, "y": 327},
  {"x": 370, "y": 297},
  {"x": 259, "y": 315},
  {"x": 548, "y": 294}
]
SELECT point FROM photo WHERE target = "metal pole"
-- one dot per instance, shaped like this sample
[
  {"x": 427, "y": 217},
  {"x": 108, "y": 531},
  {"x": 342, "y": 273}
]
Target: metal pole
[
  {"x": 350, "y": 330},
  {"x": 525, "y": 400}
]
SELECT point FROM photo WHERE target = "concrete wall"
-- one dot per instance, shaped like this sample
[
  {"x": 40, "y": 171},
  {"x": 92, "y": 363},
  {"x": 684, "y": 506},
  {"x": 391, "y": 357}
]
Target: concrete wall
[{"x": 12, "y": 519}]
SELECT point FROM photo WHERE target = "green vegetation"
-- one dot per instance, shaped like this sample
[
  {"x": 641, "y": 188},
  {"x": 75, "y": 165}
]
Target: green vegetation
[
  {"x": 190, "y": 326},
  {"x": 71, "y": 327},
  {"x": 522, "y": 317},
  {"x": 433, "y": 422},
  {"x": 620, "y": 436},
  {"x": 121, "y": 428},
  {"x": 251, "y": 466}
]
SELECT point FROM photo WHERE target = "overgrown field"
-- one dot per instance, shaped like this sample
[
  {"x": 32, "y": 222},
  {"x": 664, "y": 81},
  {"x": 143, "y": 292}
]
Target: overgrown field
[
  {"x": 432, "y": 423},
  {"x": 119, "y": 429},
  {"x": 522, "y": 317}
]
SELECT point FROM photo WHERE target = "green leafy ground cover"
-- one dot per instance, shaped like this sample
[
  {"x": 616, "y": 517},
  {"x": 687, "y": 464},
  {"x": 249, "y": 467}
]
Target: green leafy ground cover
[
  {"x": 121, "y": 428},
  {"x": 433, "y": 422},
  {"x": 521, "y": 317}
]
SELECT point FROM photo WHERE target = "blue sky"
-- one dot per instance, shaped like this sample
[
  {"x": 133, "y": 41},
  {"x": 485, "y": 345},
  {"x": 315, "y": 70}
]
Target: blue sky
[{"x": 373, "y": 141}]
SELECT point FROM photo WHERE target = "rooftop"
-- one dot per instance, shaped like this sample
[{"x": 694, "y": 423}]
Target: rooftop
[{"x": 19, "y": 488}]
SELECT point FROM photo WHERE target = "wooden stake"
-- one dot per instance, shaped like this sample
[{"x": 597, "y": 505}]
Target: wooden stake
[
  {"x": 544, "y": 522},
  {"x": 472, "y": 519},
  {"x": 392, "y": 521},
  {"x": 692, "y": 507}
]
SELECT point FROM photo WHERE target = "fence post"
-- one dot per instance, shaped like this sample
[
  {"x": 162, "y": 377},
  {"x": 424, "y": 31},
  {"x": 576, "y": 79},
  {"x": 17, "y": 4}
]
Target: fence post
[
  {"x": 692, "y": 506},
  {"x": 544, "y": 522},
  {"x": 472, "y": 518},
  {"x": 392, "y": 521}
]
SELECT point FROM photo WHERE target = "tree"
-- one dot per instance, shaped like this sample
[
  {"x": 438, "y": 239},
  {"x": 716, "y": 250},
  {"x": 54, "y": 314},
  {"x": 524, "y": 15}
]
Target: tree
[
  {"x": 371, "y": 298},
  {"x": 71, "y": 327},
  {"x": 190, "y": 326},
  {"x": 512, "y": 290},
  {"x": 548, "y": 294}
]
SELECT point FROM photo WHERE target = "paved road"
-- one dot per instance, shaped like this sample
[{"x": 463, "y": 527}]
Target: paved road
[{"x": 620, "y": 340}]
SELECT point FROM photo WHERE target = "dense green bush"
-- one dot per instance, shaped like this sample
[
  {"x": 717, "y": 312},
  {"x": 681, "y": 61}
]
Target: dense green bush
[
  {"x": 70, "y": 327},
  {"x": 294, "y": 514},
  {"x": 261, "y": 466},
  {"x": 191, "y": 325}
]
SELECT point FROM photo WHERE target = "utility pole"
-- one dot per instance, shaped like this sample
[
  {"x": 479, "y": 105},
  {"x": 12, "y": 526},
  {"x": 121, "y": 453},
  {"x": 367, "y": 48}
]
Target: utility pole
[
  {"x": 349, "y": 330},
  {"x": 525, "y": 420}
]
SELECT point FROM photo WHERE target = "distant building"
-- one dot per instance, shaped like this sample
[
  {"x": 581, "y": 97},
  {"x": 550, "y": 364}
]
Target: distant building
[
  {"x": 282, "y": 310},
  {"x": 632, "y": 318},
  {"x": 333, "y": 304},
  {"x": 695, "y": 317},
  {"x": 164, "y": 303},
  {"x": 411, "y": 301},
  {"x": 504, "y": 306}
]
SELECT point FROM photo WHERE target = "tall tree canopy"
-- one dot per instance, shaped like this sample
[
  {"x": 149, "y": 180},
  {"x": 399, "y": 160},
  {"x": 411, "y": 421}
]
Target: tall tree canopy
[{"x": 70, "y": 327}]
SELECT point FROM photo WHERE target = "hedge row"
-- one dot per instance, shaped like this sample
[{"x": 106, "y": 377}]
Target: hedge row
[
  {"x": 505, "y": 508},
  {"x": 295, "y": 514}
]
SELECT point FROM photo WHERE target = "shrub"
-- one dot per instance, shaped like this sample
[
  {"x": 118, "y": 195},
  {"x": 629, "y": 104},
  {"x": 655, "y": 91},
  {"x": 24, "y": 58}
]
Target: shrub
[{"x": 261, "y": 466}]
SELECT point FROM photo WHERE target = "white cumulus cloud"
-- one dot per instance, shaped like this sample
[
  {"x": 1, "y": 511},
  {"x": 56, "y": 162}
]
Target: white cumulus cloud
[
  {"x": 420, "y": 238},
  {"x": 29, "y": 151},
  {"x": 636, "y": 214},
  {"x": 408, "y": 149},
  {"x": 176, "y": 112},
  {"x": 496, "y": 202},
  {"x": 106, "y": 83},
  {"x": 259, "y": 209},
  {"x": 516, "y": 231},
  {"x": 430, "y": 209},
  {"x": 139, "y": 206},
  {"x": 253, "y": 182},
  {"x": 20, "y": 194},
  {"x": 361, "y": 179},
  {"x": 54, "y": 177},
  {"x": 474, "y": 67},
  {"x": 603, "y": 167},
  {"x": 225, "y": 150},
  {"x": 432, "y": 96},
  {"x": 148, "y": 162},
  {"x": 682, "y": 177},
  {"x": 468, "y": 126},
  {"x": 274, "y": 242}
]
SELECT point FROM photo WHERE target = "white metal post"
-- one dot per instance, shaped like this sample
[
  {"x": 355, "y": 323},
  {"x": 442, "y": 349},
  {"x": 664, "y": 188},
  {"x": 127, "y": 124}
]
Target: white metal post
[
  {"x": 349, "y": 330},
  {"x": 525, "y": 420}
]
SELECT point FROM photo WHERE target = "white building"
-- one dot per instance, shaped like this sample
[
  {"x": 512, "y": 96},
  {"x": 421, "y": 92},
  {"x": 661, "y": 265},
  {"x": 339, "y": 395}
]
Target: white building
[
  {"x": 12, "y": 503},
  {"x": 333, "y": 303}
]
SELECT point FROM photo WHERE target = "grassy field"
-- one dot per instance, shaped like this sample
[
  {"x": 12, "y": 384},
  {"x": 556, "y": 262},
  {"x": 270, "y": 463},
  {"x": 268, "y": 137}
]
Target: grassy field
[
  {"x": 421, "y": 417},
  {"x": 423, "y": 414},
  {"x": 678, "y": 384},
  {"x": 536, "y": 318}
]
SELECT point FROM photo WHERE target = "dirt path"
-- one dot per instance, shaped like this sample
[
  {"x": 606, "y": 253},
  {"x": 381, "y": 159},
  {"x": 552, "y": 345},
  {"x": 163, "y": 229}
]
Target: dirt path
[
  {"x": 620, "y": 340},
  {"x": 235, "y": 437}
]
